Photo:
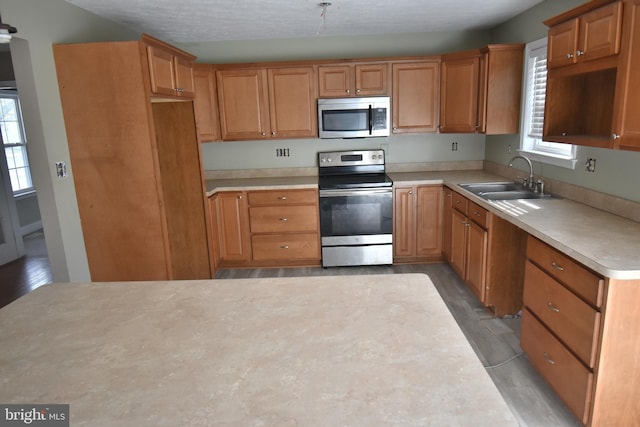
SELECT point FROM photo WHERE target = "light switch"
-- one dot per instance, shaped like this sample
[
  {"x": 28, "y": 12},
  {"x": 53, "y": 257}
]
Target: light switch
[{"x": 61, "y": 170}]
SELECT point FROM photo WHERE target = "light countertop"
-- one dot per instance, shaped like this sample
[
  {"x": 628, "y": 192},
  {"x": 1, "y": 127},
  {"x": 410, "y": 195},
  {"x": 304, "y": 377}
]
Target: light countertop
[
  {"x": 331, "y": 350},
  {"x": 606, "y": 243}
]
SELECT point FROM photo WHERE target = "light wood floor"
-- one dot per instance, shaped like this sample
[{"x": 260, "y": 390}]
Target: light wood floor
[{"x": 496, "y": 341}]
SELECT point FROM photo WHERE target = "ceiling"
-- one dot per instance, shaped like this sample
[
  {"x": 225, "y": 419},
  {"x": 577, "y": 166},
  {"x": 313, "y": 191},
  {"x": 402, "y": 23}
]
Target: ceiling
[{"x": 193, "y": 21}]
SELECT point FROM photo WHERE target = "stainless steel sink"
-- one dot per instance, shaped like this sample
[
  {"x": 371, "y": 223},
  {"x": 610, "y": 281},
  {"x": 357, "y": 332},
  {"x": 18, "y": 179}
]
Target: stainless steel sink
[{"x": 503, "y": 191}]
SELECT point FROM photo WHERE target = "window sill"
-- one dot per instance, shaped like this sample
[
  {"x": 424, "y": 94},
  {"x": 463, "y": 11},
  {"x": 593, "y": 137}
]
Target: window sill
[
  {"x": 24, "y": 194},
  {"x": 550, "y": 159}
]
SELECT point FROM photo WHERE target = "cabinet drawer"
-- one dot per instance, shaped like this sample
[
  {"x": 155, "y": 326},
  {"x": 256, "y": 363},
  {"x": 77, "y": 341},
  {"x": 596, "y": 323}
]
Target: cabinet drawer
[
  {"x": 460, "y": 202},
  {"x": 478, "y": 214},
  {"x": 566, "y": 375},
  {"x": 282, "y": 197},
  {"x": 285, "y": 246},
  {"x": 573, "y": 275},
  {"x": 568, "y": 317},
  {"x": 278, "y": 219}
]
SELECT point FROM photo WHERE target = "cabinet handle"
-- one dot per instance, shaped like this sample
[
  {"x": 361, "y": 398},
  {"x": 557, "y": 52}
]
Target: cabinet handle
[
  {"x": 282, "y": 198},
  {"x": 579, "y": 53},
  {"x": 569, "y": 55},
  {"x": 284, "y": 219},
  {"x": 615, "y": 136},
  {"x": 476, "y": 213},
  {"x": 240, "y": 197},
  {"x": 410, "y": 192},
  {"x": 557, "y": 266},
  {"x": 263, "y": 134},
  {"x": 357, "y": 90},
  {"x": 273, "y": 134},
  {"x": 348, "y": 91},
  {"x": 395, "y": 128},
  {"x": 284, "y": 247},
  {"x": 548, "y": 359},
  {"x": 553, "y": 307}
]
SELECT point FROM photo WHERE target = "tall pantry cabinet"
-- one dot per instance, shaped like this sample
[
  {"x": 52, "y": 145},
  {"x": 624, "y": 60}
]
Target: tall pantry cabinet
[{"x": 135, "y": 159}]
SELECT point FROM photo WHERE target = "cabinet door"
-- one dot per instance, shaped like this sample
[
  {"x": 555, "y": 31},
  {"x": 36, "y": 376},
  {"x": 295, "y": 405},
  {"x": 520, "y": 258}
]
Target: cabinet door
[
  {"x": 561, "y": 44},
  {"x": 415, "y": 97},
  {"x": 476, "y": 260},
  {"x": 371, "y": 79},
  {"x": 429, "y": 221},
  {"x": 184, "y": 83},
  {"x": 404, "y": 231},
  {"x": 600, "y": 32},
  {"x": 233, "y": 226},
  {"x": 334, "y": 81},
  {"x": 205, "y": 105},
  {"x": 162, "y": 71},
  {"x": 214, "y": 235},
  {"x": 446, "y": 227},
  {"x": 242, "y": 98},
  {"x": 292, "y": 100},
  {"x": 458, "y": 242},
  {"x": 459, "y": 95}
]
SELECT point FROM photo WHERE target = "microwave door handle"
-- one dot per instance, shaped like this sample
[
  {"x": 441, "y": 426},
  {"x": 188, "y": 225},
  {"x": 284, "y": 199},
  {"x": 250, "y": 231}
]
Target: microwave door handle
[{"x": 370, "y": 120}]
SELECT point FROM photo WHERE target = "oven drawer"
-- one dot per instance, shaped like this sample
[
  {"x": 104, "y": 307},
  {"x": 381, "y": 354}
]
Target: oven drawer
[
  {"x": 567, "y": 376},
  {"x": 282, "y": 197},
  {"x": 278, "y": 219},
  {"x": 573, "y": 275},
  {"x": 567, "y": 316},
  {"x": 285, "y": 246}
]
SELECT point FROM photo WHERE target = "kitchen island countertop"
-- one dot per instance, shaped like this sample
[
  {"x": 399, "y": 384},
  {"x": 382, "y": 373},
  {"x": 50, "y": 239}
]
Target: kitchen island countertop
[{"x": 329, "y": 350}]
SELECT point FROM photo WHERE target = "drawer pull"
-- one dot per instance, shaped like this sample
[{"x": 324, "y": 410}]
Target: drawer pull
[
  {"x": 284, "y": 247},
  {"x": 548, "y": 359},
  {"x": 282, "y": 198},
  {"x": 283, "y": 219},
  {"x": 553, "y": 307},
  {"x": 557, "y": 266}
]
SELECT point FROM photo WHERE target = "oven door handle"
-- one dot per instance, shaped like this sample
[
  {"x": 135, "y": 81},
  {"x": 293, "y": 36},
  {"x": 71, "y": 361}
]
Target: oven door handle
[
  {"x": 342, "y": 193},
  {"x": 370, "y": 120}
]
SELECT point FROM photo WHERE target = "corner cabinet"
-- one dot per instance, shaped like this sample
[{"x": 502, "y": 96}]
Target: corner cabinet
[
  {"x": 577, "y": 332},
  {"x": 205, "y": 103},
  {"x": 264, "y": 103},
  {"x": 417, "y": 223},
  {"x": 170, "y": 69},
  {"x": 481, "y": 90},
  {"x": 416, "y": 88},
  {"x": 592, "y": 98},
  {"x": 137, "y": 167},
  {"x": 486, "y": 252}
]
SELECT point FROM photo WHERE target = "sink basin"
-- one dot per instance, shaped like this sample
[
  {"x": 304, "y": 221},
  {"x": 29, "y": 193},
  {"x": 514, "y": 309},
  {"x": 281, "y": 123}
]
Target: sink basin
[{"x": 502, "y": 191}]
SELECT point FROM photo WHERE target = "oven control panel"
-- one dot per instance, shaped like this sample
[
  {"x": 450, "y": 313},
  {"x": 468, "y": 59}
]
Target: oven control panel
[{"x": 351, "y": 158}]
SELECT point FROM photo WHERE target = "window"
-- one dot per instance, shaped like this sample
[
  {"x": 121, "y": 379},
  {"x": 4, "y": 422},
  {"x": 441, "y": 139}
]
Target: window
[
  {"x": 532, "y": 144},
  {"x": 15, "y": 144}
]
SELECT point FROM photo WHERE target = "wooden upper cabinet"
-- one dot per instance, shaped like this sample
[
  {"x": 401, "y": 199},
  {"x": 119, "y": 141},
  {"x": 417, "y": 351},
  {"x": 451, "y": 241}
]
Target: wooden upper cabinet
[
  {"x": 353, "y": 80},
  {"x": 170, "y": 69},
  {"x": 500, "y": 88},
  {"x": 415, "y": 96},
  {"x": 267, "y": 103},
  {"x": 292, "y": 102},
  {"x": 459, "y": 92},
  {"x": 592, "y": 35},
  {"x": 205, "y": 103}
]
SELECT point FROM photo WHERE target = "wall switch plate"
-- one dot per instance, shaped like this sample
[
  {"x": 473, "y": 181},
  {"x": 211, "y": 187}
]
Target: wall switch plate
[
  {"x": 590, "y": 166},
  {"x": 454, "y": 146},
  {"x": 282, "y": 152},
  {"x": 61, "y": 170}
]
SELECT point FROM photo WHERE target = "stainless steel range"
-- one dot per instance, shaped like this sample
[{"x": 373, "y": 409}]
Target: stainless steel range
[{"x": 356, "y": 208}]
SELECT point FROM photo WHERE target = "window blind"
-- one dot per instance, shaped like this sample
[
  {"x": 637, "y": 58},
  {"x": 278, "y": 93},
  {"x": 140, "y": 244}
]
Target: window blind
[{"x": 538, "y": 88}]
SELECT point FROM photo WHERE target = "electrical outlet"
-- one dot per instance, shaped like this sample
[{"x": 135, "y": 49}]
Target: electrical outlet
[
  {"x": 282, "y": 152},
  {"x": 509, "y": 149},
  {"x": 590, "y": 166},
  {"x": 61, "y": 170},
  {"x": 454, "y": 146}
]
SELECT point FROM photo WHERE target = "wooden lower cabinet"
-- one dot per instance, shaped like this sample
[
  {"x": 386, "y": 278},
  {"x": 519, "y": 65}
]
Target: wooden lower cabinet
[
  {"x": 267, "y": 228},
  {"x": 486, "y": 252},
  {"x": 417, "y": 234},
  {"x": 578, "y": 330}
]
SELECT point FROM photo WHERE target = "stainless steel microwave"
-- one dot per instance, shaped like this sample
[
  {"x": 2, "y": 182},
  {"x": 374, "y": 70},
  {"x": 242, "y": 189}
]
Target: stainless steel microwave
[{"x": 354, "y": 117}]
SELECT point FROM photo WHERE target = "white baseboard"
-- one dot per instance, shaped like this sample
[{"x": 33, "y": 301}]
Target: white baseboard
[{"x": 30, "y": 228}]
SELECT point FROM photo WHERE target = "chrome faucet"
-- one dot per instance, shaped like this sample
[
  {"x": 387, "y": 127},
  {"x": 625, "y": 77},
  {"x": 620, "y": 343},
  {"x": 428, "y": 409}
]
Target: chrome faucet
[{"x": 530, "y": 183}]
